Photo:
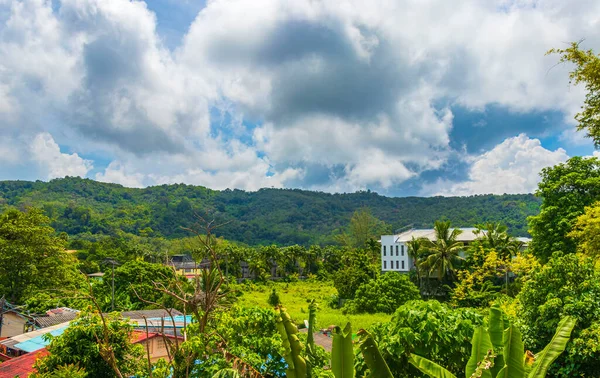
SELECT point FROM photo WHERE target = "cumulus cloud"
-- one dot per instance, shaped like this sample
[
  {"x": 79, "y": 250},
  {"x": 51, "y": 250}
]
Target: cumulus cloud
[
  {"x": 46, "y": 153},
  {"x": 324, "y": 95},
  {"x": 513, "y": 166}
]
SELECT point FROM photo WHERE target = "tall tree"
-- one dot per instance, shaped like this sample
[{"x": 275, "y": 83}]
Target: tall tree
[
  {"x": 32, "y": 257},
  {"x": 443, "y": 252},
  {"x": 587, "y": 71},
  {"x": 362, "y": 228},
  {"x": 566, "y": 189}
]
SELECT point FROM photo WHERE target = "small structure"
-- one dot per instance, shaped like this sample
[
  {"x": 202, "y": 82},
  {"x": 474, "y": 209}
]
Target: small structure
[
  {"x": 12, "y": 321},
  {"x": 22, "y": 366},
  {"x": 184, "y": 265}
]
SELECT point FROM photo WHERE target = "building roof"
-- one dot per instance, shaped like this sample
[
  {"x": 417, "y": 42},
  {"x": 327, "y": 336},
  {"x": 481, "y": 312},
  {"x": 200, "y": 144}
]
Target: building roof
[
  {"x": 141, "y": 314},
  {"x": 99, "y": 274},
  {"x": 467, "y": 235},
  {"x": 32, "y": 341},
  {"x": 21, "y": 366},
  {"x": 56, "y": 316}
]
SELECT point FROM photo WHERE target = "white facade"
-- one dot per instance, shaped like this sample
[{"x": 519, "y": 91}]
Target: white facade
[
  {"x": 394, "y": 248},
  {"x": 394, "y": 254}
]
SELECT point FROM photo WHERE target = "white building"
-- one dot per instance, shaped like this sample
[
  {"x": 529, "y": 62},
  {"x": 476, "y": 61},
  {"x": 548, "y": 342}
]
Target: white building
[{"x": 394, "y": 248}]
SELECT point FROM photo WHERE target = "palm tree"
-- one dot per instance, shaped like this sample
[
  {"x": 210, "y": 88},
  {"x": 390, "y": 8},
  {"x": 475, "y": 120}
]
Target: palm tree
[
  {"x": 495, "y": 236},
  {"x": 443, "y": 252},
  {"x": 416, "y": 252}
]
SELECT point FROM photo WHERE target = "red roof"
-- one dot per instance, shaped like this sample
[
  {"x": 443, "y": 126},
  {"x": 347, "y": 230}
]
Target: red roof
[{"x": 21, "y": 366}]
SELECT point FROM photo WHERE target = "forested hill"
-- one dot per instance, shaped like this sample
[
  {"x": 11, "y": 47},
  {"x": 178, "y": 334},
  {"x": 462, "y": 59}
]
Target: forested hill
[{"x": 281, "y": 216}]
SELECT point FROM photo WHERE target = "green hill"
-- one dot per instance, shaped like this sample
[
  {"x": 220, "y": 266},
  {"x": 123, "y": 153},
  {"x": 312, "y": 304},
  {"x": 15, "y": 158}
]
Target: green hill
[{"x": 281, "y": 216}]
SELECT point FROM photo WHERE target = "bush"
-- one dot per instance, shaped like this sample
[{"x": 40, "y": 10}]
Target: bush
[
  {"x": 566, "y": 285},
  {"x": 274, "y": 298},
  {"x": 385, "y": 294},
  {"x": 427, "y": 328}
]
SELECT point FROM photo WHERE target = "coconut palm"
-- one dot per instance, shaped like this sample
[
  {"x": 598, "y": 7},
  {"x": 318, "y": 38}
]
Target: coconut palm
[
  {"x": 416, "y": 252},
  {"x": 495, "y": 236},
  {"x": 443, "y": 252}
]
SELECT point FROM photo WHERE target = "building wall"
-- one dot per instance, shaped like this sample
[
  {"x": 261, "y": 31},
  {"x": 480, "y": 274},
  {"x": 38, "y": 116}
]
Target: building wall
[
  {"x": 394, "y": 256},
  {"x": 158, "y": 348},
  {"x": 12, "y": 325}
]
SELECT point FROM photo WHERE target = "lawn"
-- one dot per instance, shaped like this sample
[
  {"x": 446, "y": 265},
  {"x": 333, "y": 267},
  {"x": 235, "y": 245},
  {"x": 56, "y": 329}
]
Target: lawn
[{"x": 294, "y": 297}]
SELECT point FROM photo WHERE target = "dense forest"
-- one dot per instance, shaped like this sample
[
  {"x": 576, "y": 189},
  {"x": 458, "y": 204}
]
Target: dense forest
[{"x": 283, "y": 216}]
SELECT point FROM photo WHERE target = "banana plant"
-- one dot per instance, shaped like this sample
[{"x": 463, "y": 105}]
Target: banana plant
[
  {"x": 291, "y": 345},
  {"x": 342, "y": 353},
  {"x": 497, "y": 352}
]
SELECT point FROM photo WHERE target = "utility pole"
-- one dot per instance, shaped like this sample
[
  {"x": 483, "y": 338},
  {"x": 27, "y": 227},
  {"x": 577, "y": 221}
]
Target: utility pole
[{"x": 112, "y": 298}]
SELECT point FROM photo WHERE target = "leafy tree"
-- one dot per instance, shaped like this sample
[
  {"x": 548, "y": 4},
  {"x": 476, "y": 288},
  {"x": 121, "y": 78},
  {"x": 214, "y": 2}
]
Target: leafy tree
[
  {"x": 568, "y": 285},
  {"x": 477, "y": 286},
  {"x": 32, "y": 257},
  {"x": 135, "y": 281},
  {"x": 90, "y": 343},
  {"x": 443, "y": 252},
  {"x": 586, "y": 231},
  {"x": 384, "y": 294},
  {"x": 566, "y": 189},
  {"x": 251, "y": 335},
  {"x": 427, "y": 328},
  {"x": 357, "y": 270},
  {"x": 363, "y": 227},
  {"x": 587, "y": 71}
]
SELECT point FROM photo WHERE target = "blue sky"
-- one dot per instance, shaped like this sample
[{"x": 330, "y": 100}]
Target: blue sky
[{"x": 403, "y": 98}]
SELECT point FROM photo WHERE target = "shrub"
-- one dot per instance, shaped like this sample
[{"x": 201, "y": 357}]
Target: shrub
[
  {"x": 427, "y": 328},
  {"x": 274, "y": 298},
  {"x": 566, "y": 285},
  {"x": 385, "y": 294}
]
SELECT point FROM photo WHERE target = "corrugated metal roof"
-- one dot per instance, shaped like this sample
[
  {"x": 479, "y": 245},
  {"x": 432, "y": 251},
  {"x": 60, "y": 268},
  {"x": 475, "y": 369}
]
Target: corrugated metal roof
[
  {"x": 149, "y": 314},
  {"x": 15, "y": 340},
  {"x": 39, "y": 342},
  {"x": 467, "y": 235},
  {"x": 21, "y": 366},
  {"x": 48, "y": 321}
]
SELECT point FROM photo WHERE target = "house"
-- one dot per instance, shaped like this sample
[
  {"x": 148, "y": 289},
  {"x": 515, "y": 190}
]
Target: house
[
  {"x": 184, "y": 265},
  {"x": 12, "y": 321},
  {"x": 394, "y": 248},
  {"x": 154, "y": 344}
]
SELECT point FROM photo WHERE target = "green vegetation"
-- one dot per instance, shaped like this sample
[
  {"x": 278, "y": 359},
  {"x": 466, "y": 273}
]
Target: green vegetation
[
  {"x": 294, "y": 296},
  {"x": 269, "y": 216},
  {"x": 473, "y": 310}
]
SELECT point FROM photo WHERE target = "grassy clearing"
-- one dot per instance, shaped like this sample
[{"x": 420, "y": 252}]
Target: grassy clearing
[{"x": 294, "y": 297}]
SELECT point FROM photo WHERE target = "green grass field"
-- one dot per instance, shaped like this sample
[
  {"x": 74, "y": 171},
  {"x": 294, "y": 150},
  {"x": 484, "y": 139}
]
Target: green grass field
[{"x": 294, "y": 297}]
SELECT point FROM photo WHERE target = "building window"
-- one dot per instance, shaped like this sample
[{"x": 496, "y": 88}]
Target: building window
[
  {"x": 396, "y": 264},
  {"x": 385, "y": 265},
  {"x": 391, "y": 250},
  {"x": 402, "y": 264},
  {"x": 403, "y": 250},
  {"x": 396, "y": 250},
  {"x": 384, "y": 250},
  {"x": 160, "y": 343}
]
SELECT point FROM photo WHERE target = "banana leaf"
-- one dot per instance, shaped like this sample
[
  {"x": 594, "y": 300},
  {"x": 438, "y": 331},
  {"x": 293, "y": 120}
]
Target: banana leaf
[
  {"x": 480, "y": 345},
  {"x": 342, "y": 354},
  {"x": 513, "y": 354},
  {"x": 557, "y": 345},
  {"x": 429, "y": 367},
  {"x": 372, "y": 355}
]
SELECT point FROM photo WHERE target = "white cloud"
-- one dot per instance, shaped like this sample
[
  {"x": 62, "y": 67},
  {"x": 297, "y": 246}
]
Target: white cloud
[
  {"x": 513, "y": 166},
  {"x": 362, "y": 88},
  {"x": 46, "y": 153}
]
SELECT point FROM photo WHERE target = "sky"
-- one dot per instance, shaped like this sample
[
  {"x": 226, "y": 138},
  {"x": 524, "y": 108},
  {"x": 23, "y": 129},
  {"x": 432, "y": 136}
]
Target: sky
[{"x": 405, "y": 98}]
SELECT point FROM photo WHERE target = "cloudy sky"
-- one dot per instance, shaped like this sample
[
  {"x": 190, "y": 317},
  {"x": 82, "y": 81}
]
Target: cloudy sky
[{"x": 408, "y": 97}]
